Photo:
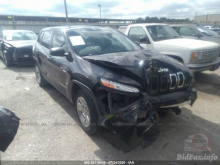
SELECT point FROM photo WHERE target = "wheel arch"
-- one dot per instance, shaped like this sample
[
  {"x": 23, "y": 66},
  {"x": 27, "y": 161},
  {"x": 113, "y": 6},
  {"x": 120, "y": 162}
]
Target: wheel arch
[{"x": 77, "y": 85}]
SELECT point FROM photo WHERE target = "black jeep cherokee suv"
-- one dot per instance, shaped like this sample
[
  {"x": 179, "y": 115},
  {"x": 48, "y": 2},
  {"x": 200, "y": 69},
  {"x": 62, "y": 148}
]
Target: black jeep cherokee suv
[{"x": 116, "y": 87}]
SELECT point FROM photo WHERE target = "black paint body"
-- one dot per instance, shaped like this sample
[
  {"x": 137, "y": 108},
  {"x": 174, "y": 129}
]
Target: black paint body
[
  {"x": 17, "y": 52},
  {"x": 125, "y": 119},
  {"x": 9, "y": 124}
]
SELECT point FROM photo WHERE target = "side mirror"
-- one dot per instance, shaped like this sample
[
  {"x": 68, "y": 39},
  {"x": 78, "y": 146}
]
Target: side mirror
[
  {"x": 57, "y": 52},
  {"x": 144, "y": 39}
]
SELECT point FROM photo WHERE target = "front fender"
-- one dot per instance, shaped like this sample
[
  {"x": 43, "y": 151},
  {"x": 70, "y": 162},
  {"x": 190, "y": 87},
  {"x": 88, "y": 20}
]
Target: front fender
[{"x": 76, "y": 84}]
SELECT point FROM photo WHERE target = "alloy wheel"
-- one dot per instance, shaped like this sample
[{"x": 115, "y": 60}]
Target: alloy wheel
[{"x": 83, "y": 112}]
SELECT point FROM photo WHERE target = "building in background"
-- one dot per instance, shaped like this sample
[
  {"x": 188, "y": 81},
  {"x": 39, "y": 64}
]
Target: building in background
[
  {"x": 209, "y": 19},
  {"x": 36, "y": 23}
]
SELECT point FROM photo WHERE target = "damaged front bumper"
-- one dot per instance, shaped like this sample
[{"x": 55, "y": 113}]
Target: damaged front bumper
[
  {"x": 175, "y": 99},
  {"x": 136, "y": 124}
]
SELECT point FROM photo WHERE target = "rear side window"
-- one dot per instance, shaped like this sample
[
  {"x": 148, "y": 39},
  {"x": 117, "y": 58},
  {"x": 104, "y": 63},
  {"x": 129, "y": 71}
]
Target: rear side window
[
  {"x": 46, "y": 38},
  {"x": 58, "y": 39},
  {"x": 136, "y": 32}
]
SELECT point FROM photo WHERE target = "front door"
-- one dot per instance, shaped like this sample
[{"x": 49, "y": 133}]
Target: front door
[{"x": 59, "y": 65}]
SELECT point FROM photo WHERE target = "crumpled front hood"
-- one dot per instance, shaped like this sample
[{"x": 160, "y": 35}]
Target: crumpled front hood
[
  {"x": 19, "y": 44},
  {"x": 137, "y": 62},
  {"x": 188, "y": 43}
]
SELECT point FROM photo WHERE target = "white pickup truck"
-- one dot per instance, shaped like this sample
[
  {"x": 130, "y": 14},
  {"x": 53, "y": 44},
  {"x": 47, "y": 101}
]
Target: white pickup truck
[{"x": 197, "y": 55}]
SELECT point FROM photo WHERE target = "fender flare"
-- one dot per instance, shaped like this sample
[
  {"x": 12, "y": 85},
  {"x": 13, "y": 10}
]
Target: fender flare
[{"x": 88, "y": 91}]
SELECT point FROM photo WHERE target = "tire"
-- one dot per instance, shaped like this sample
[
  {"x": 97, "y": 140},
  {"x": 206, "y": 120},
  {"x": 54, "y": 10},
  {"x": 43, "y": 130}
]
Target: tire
[
  {"x": 39, "y": 77},
  {"x": 86, "y": 112},
  {"x": 7, "y": 60}
]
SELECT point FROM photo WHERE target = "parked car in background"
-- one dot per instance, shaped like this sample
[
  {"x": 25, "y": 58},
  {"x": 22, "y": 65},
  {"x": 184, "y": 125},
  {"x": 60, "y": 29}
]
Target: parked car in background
[
  {"x": 16, "y": 46},
  {"x": 195, "y": 54},
  {"x": 117, "y": 87},
  {"x": 216, "y": 29},
  {"x": 209, "y": 27},
  {"x": 196, "y": 32}
]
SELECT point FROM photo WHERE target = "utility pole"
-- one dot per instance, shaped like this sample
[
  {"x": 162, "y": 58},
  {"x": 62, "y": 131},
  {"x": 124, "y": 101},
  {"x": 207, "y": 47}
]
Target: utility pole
[
  {"x": 100, "y": 12},
  {"x": 196, "y": 18},
  {"x": 67, "y": 20},
  {"x": 13, "y": 21},
  {"x": 207, "y": 18}
]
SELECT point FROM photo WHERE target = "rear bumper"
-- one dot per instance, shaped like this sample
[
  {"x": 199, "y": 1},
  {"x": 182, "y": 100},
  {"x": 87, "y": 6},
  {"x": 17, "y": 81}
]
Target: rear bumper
[{"x": 206, "y": 66}]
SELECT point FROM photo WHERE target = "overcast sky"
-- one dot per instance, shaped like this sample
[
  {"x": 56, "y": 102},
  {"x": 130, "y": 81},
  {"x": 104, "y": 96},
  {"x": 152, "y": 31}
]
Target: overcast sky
[{"x": 112, "y": 8}]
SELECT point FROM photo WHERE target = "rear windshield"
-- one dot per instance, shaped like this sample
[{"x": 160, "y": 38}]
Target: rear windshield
[
  {"x": 95, "y": 41},
  {"x": 19, "y": 35}
]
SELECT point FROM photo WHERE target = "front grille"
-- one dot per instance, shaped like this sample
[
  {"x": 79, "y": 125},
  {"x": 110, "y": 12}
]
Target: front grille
[
  {"x": 208, "y": 56},
  {"x": 168, "y": 82},
  {"x": 24, "y": 51}
]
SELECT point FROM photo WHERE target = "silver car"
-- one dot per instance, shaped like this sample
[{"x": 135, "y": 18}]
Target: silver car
[{"x": 196, "y": 32}]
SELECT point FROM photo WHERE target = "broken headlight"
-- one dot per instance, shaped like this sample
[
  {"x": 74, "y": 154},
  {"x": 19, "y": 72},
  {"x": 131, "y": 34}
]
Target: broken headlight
[{"x": 118, "y": 86}]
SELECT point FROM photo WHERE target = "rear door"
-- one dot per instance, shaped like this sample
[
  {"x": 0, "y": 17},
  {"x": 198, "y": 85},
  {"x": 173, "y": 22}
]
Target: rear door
[{"x": 43, "y": 53}]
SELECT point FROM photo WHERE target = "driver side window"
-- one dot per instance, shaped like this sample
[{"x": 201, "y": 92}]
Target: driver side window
[
  {"x": 135, "y": 33},
  {"x": 58, "y": 39}
]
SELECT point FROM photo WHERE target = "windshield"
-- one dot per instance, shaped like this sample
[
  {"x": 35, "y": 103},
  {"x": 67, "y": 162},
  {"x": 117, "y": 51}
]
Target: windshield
[
  {"x": 94, "y": 41},
  {"x": 19, "y": 35},
  {"x": 207, "y": 32},
  {"x": 162, "y": 32}
]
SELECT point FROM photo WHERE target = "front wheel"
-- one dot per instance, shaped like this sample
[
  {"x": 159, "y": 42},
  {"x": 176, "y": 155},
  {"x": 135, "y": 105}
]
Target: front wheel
[
  {"x": 86, "y": 112},
  {"x": 40, "y": 79}
]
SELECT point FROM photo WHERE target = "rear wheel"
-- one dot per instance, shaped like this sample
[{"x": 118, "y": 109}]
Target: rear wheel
[
  {"x": 39, "y": 77},
  {"x": 86, "y": 112}
]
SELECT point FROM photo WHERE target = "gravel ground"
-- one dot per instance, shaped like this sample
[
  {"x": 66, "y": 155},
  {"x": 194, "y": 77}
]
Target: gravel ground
[{"x": 49, "y": 128}]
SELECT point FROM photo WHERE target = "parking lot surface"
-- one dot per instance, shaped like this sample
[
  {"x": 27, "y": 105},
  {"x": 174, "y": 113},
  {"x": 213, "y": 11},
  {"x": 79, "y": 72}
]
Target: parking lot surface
[{"x": 49, "y": 127}]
